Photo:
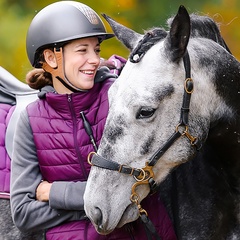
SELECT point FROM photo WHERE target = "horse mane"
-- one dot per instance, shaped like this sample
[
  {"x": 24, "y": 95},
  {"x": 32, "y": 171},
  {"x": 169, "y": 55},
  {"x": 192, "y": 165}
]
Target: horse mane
[
  {"x": 201, "y": 26},
  {"x": 205, "y": 27}
]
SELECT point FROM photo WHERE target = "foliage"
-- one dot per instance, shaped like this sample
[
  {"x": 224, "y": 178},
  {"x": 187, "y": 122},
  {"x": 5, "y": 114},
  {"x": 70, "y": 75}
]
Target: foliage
[{"x": 16, "y": 15}]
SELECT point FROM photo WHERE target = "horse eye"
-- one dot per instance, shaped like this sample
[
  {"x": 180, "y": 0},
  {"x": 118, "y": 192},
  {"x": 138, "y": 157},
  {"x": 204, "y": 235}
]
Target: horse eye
[{"x": 145, "y": 112}]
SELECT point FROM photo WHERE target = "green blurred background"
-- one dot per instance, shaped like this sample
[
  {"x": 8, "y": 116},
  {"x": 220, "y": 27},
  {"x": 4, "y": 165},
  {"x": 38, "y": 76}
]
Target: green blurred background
[{"x": 16, "y": 15}]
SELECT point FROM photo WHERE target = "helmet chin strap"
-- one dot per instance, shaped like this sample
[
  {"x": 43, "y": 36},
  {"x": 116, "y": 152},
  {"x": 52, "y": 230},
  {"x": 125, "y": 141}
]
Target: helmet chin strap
[{"x": 58, "y": 72}]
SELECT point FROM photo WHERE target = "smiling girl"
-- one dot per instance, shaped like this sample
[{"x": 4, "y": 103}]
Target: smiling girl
[{"x": 49, "y": 164}]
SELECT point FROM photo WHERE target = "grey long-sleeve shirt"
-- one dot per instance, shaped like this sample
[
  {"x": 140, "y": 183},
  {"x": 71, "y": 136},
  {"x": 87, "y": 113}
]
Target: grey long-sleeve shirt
[{"x": 65, "y": 200}]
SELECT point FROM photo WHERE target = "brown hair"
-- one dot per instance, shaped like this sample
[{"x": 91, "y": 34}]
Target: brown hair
[{"x": 38, "y": 78}]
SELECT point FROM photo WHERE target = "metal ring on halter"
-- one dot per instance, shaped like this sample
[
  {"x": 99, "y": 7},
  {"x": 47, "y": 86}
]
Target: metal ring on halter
[
  {"x": 88, "y": 158},
  {"x": 186, "y": 128},
  {"x": 143, "y": 177}
]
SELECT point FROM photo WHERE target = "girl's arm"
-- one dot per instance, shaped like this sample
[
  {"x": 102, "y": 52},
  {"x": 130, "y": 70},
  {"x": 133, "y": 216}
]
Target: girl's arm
[{"x": 28, "y": 213}]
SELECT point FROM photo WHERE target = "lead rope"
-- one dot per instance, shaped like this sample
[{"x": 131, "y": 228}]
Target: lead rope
[{"x": 149, "y": 228}]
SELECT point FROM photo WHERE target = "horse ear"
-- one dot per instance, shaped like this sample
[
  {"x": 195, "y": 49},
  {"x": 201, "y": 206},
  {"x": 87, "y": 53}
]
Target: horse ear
[
  {"x": 179, "y": 34},
  {"x": 125, "y": 35}
]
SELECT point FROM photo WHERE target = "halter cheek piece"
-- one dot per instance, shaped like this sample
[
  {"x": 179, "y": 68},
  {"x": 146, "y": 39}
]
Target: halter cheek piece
[{"x": 145, "y": 175}]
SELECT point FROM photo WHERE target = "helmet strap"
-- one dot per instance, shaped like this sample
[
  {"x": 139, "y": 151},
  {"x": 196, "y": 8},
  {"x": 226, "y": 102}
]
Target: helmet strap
[{"x": 58, "y": 72}]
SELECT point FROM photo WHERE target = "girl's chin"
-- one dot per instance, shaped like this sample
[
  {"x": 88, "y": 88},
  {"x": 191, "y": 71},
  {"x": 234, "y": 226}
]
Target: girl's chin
[{"x": 86, "y": 85}]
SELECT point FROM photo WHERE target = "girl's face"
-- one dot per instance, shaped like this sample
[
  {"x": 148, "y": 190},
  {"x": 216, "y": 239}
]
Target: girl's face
[{"x": 81, "y": 60}]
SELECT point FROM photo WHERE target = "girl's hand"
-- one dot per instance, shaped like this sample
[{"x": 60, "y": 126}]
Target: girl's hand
[{"x": 43, "y": 191}]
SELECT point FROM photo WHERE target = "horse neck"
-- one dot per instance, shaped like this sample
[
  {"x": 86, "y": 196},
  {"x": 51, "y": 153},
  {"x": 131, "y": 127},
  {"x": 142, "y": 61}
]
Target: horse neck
[{"x": 224, "y": 139}]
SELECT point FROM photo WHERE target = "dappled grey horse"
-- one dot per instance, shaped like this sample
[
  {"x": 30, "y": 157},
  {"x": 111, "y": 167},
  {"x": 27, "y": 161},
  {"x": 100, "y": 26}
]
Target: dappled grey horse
[{"x": 174, "y": 121}]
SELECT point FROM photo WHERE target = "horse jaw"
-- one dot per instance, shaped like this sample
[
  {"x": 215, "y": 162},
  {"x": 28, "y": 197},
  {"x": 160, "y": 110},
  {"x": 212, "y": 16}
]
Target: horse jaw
[{"x": 125, "y": 35}]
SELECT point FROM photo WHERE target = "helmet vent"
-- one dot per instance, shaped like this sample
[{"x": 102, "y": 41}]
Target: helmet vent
[{"x": 87, "y": 11}]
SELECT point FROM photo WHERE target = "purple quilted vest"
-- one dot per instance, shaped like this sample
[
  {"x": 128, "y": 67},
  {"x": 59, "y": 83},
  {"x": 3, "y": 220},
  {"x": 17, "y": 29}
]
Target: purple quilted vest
[
  {"x": 61, "y": 140},
  {"x": 58, "y": 129},
  {"x": 6, "y": 111}
]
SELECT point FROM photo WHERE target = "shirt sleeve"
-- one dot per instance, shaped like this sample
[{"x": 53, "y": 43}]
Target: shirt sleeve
[
  {"x": 67, "y": 195},
  {"x": 28, "y": 213}
]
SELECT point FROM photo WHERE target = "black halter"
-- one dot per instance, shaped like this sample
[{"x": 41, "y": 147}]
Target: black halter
[
  {"x": 145, "y": 175},
  {"x": 102, "y": 162}
]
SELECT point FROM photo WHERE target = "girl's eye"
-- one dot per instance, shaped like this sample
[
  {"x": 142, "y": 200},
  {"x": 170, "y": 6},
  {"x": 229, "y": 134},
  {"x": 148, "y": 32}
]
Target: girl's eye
[
  {"x": 81, "y": 50},
  {"x": 98, "y": 50}
]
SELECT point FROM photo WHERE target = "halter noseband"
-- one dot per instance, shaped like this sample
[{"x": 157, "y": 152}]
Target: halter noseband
[{"x": 145, "y": 175}]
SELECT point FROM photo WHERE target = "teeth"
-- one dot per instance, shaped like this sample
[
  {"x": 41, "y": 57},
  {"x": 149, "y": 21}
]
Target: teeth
[{"x": 88, "y": 72}]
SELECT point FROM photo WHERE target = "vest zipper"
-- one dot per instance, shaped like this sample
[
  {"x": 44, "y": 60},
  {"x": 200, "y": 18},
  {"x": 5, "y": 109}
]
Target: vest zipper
[{"x": 74, "y": 118}]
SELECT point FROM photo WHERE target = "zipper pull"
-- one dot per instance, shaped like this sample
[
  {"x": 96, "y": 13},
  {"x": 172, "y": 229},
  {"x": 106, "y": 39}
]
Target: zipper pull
[{"x": 88, "y": 130}]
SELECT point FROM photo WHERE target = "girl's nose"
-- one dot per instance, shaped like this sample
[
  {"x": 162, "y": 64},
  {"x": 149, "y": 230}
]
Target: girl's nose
[{"x": 94, "y": 58}]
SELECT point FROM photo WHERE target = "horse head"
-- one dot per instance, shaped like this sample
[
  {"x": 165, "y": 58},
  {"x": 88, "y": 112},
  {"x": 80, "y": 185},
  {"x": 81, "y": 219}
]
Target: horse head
[{"x": 161, "y": 109}]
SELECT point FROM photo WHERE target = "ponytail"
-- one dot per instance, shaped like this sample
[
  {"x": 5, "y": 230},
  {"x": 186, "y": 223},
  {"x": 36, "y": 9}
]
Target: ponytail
[{"x": 38, "y": 78}]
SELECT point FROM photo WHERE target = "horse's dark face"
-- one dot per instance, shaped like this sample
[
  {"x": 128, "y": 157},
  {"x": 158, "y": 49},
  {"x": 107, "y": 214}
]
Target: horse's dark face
[{"x": 145, "y": 105}]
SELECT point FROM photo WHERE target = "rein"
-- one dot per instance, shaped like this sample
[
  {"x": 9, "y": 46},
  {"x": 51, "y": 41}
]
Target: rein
[{"x": 145, "y": 175}]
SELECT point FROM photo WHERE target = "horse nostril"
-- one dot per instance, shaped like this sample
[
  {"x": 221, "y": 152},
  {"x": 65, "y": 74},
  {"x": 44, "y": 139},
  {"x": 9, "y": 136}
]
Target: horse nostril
[
  {"x": 98, "y": 218},
  {"x": 100, "y": 228}
]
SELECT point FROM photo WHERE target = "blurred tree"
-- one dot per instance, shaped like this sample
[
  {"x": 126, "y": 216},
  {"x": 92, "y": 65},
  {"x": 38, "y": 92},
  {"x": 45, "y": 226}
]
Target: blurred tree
[
  {"x": 16, "y": 15},
  {"x": 13, "y": 24},
  {"x": 227, "y": 15}
]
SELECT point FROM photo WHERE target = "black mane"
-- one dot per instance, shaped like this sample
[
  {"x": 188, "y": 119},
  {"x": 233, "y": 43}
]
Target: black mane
[{"x": 201, "y": 26}]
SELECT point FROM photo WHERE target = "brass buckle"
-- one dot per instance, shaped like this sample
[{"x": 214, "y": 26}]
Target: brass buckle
[
  {"x": 123, "y": 165},
  {"x": 187, "y": 134}
]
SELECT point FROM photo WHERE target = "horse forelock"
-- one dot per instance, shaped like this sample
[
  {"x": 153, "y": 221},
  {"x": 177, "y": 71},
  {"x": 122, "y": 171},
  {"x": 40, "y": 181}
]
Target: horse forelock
[{"x": 150, "y": 38}]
